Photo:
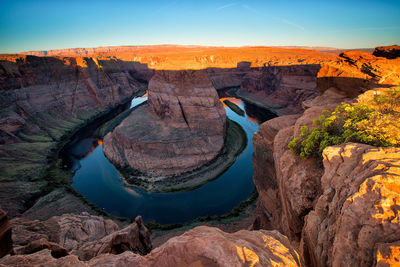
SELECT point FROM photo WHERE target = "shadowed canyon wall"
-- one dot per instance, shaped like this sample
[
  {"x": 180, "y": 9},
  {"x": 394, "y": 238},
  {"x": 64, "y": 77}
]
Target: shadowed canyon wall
[{"x": 44, "y": 99}]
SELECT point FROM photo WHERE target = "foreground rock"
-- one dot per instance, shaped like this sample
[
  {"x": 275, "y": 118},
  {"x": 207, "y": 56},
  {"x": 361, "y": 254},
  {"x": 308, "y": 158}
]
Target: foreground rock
[
  {"x": 83, "y": 235},
  {"x": 202, "y": 246},
  {"x": 358, "y": 208},
  {"x": 342, "y": 214},
  {"x": 6, "y": 243},
  {"x": 181, "y": 128}
]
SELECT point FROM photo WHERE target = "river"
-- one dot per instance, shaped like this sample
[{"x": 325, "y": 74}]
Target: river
[{"x": 99, "y": 181}]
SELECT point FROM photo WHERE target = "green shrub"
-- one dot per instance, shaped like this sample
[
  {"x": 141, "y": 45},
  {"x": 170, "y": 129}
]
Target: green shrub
[{"x": 376, "y": 123}]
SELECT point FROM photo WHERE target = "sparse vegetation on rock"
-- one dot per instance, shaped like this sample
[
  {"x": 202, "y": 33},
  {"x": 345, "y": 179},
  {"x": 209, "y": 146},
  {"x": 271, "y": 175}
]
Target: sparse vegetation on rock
[{"x": 374, "y": 123}]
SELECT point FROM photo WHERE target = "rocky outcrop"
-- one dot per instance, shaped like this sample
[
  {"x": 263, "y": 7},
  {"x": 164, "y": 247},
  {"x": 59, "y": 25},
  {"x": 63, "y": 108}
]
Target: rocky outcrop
[
  {"x": 83, "y": 235},
  {"x": 287, "y": 184},
  {"x": 355, "y": 72},
  {"x": 181, "y": 128},
  {"x": 387, "y": 254},
  {"x": 357, "y": 212},
  {"x": 135, "y": 238},
  {"x": 344, "y": 213},
  {"x": 281, "y": 88},
  {"x": 6, "y": 243},
  {"x": 202, "y": 246},
  {"x": 57, "y": 251},
  {"x": 389, "y": 52},
  {"x": 268, "y": 205}
]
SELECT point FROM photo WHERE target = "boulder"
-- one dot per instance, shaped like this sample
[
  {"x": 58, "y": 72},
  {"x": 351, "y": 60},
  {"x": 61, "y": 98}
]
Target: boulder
[
  {"x": 57, "y": 251},
  {"x": 135, "y": 238},
  {"x": 84, "y": 235}
]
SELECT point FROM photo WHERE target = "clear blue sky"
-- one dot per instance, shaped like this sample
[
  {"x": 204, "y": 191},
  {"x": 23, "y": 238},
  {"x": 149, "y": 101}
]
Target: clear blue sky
[{"x": 43, "y": 25}]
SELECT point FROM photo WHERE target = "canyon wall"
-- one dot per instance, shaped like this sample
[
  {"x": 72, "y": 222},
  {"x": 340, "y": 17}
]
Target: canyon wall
[
  {"x": 281, "y": 89},
  {"x": 181, "y": 128},
  {"x": 43, "y": 99},
  {"x": 344, "y": 212}
]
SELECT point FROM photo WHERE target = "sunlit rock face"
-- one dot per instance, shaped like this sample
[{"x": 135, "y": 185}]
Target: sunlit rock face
[
  {"x": 357, "y": 212},
  {"x": 344, "y": 213},
  {"x": 181, "y": 128},
  {"x": 390, "y": 52},
  {"x": 202, "y": 246}
]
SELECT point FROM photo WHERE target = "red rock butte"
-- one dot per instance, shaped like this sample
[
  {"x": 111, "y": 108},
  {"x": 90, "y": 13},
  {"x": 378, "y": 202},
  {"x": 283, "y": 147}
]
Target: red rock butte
[{"x": 181, "y": 128}]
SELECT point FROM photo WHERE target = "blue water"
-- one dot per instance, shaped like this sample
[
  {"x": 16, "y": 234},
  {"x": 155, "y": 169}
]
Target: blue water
[{"x": 99, "y": 181}]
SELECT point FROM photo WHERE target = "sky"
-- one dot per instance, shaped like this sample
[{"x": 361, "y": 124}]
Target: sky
[{"x": 27, "y": 25}]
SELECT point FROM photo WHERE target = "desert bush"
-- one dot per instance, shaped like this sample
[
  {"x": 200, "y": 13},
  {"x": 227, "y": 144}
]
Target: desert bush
[{"x": 376, "y": 123}]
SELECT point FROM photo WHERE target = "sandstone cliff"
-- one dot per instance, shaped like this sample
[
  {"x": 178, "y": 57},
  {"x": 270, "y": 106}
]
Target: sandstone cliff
[
  {"x": 342, "y": 214},
  {"x": 44, "y": 99},
  {"x": 181, "y": 128},
  {"x": 281, "y": 88}
]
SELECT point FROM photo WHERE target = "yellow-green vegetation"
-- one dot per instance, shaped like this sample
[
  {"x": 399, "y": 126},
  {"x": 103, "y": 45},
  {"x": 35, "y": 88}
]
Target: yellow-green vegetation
[{"x": 375, "y": 123}]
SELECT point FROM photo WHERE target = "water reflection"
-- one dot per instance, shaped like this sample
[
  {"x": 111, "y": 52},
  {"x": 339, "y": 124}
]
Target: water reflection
[{"x": 99, "y": 181}]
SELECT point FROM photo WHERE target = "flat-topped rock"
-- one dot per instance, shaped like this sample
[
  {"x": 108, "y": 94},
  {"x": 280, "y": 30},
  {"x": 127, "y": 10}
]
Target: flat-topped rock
[{"x": 181, "y": 128}]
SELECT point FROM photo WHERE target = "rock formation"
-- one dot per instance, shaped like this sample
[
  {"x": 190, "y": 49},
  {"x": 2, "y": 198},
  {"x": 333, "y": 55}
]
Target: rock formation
[
  {"x": 389, "y": 52},
  {"x": 358, "y": 207},
  {"x": 281, "y": 88},
  {"x": 84, "y": 235},
  {"x": 44, "y": 99},
  {"x": 181, "y": 128},
  {"x": 342, "y": 214},
  {"x": 355, "y": 72},
  {"x": 6, "y": 243},
  {"x": 201, "y": 246}
]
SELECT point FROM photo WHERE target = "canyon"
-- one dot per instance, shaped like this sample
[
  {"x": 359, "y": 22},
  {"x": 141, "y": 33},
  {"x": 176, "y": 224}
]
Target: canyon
[{"x": 341, "y": 212}]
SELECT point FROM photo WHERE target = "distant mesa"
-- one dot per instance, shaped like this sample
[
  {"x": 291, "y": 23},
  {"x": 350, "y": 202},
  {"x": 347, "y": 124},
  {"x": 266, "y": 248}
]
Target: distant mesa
[
  {"x": 389, "y": 52},
  {"x": 181, "y": 128}
]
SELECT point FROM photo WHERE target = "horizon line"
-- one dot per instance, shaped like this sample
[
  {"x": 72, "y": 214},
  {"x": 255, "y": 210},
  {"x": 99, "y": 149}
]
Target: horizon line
[{"x": 194, "y": 45}]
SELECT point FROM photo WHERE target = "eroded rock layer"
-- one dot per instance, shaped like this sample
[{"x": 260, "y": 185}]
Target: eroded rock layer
[
  {"x": 181, "y": 128},
  {"x": 358, "y": 208},
  {"x": 43, "y": 100},
  {"x": 344, "y": 213},
  {"x": 201, "y": 246},
  {"x": 281, "y": 88},
  {"x": 83, "y": 235}
]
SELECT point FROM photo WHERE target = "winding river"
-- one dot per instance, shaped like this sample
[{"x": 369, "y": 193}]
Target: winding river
[{"x": 99, "y": 181}]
